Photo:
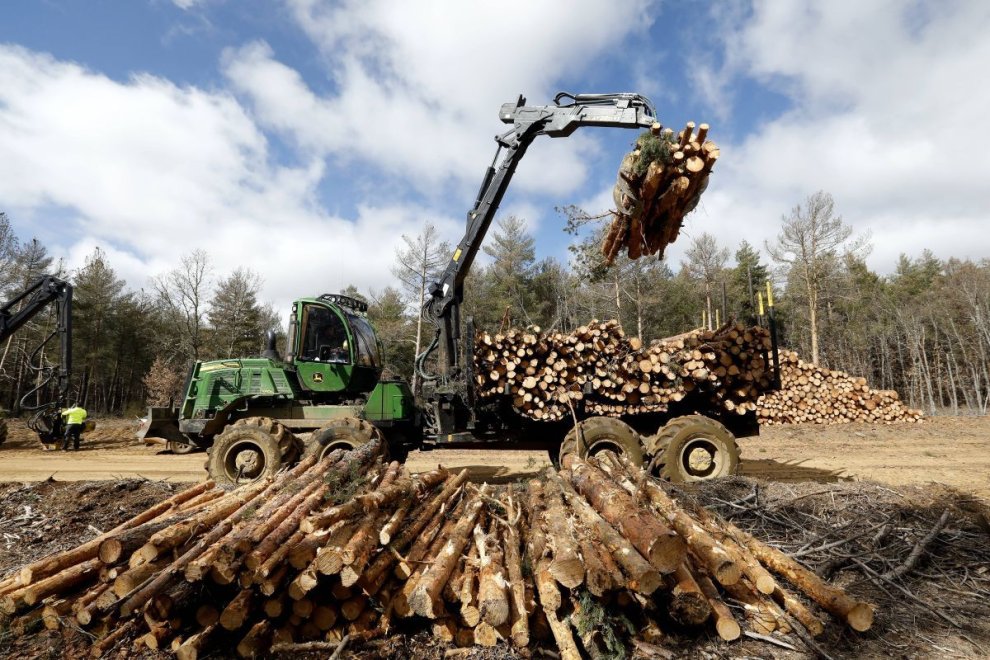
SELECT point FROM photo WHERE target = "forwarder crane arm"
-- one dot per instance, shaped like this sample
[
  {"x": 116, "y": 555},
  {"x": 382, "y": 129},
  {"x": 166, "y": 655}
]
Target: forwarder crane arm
[
  {"x": 568, "y": 113},
  {"x": 46, "y": 290}
]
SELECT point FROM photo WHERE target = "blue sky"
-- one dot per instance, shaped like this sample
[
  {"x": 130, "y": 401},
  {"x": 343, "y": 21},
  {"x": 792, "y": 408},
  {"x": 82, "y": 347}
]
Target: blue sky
[{"x": 301, "y": 138}]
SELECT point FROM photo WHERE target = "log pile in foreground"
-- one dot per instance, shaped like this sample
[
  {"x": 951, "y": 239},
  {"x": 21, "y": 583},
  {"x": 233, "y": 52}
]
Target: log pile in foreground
[
  {"x": 544, "y": 373},
  {"x": 335, "y": 552},
  {"x": 815, "y": 395},
  {"x": 659, "y": 183}
]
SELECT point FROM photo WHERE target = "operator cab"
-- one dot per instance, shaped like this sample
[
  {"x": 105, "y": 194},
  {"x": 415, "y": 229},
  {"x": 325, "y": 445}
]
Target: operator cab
[
  {"x": 333, "y": 345},
  {"x": 324, "y": 336}
]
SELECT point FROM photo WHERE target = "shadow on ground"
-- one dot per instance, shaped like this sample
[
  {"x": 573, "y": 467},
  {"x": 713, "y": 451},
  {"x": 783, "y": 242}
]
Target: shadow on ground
[{"x": 788, "y": 471}]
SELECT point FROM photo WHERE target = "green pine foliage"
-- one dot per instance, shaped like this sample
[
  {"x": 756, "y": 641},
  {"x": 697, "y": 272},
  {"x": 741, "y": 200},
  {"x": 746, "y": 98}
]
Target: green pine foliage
[{"x": 653, "y": 148}]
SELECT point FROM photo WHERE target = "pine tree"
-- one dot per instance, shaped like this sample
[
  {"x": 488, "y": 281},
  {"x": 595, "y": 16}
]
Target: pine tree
[
  {"x": 387, "y": 313},
  {"x": 513, "y": 251},
  {"x": 747, "y": 279},
  {"x": 97, "y": 321},
  {"x": 237, "y": 322}
]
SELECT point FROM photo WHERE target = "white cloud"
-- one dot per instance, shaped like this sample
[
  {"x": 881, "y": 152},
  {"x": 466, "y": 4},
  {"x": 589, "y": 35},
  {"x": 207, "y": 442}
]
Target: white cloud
[
  {"x": 186, "y": 4},
  {"x": 151, "y": 171},
  {"x": 888, "y": 116},
  {"x": 418, "y": 85}
]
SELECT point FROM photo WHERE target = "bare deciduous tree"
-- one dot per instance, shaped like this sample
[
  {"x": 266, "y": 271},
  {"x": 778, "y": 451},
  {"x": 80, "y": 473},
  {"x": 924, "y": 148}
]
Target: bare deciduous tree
[
  {"x": 417, "y": 265},
  {"x": 705, "y": 261},
  {"x": 183, "y": 293},
  {"x": 810, "y": 246}
]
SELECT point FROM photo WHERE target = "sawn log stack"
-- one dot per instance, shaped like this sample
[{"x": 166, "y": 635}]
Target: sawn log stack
[
  {"x": 815, "y": 395},
  {"x": 544, "y": 373},
  {"x": 339, "y": 548}
]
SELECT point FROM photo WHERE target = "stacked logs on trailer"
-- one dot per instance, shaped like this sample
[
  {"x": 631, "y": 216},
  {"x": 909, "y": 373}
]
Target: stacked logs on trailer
[
  {"x": 815, "y": 395},
  {"x": 338, "y": 551},
  {"x": 545, "y": 373},
  {"x": 659, "y": 183}
]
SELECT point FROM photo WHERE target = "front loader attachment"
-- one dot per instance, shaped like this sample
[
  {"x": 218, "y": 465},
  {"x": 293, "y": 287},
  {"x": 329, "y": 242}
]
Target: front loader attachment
[{"x": 161, "y": 424}]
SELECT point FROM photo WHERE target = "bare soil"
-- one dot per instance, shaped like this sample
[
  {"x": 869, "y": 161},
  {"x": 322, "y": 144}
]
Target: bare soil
[{"x": 954, "y": 451}]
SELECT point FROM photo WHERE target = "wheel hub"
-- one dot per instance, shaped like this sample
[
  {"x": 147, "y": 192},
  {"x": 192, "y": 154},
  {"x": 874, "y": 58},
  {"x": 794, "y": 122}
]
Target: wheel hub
[
  {"x": 699, "y": 457},
  {"x": 245, "y": 463}
]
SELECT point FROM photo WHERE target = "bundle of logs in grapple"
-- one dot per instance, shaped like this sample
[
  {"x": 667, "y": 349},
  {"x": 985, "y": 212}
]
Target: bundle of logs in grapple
[
  {"x": 336, "y": 551},
  {"x": 815, "y": 395},
  {"x": 659, "y": 183},
  {"x": 545, "y": 373}
]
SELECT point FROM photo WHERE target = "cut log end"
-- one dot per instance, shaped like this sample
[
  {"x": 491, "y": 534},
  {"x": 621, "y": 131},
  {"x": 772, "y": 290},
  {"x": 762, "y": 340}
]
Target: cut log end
[
  {"x": 729, "y": 573},
  {"x": 860, "y": 617},
  {"x": 728, "y": 629},
  {"x": 765, "y": 584},
  {"x": 568, "y": 572}
]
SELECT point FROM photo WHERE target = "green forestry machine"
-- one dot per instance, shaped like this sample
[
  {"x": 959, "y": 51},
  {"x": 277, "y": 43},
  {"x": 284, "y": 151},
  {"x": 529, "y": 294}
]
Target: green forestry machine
[{"x": 255, "y": 415}]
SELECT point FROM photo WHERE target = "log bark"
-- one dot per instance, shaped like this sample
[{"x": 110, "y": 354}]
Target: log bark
[
  {"x": 284, "y": 530},
  {"x": 53, "y": 613},
  {"x": 374, "y": 576},
  {"x": 191, "y": 647},
  {"x": 176, "y": 535},
  {"x": 546, "y": 585},
  {"x": 517, "y": 585},
  {"x": 424, "y": 599},
  {"x": 237, "y": 610},
  {"x": 468, "y": 592},
  {"x": 168, "y": 577},
  {"x": 662, "y": 547},
  {"x": 641, "y": 576},
  {"x": 725, "y": 624},
  {"x": 858, "y": 614},
  {"x": 132, "y": 578},
  {"x": 61, "y": 582},
  {"x": 493, "y": 602},
  {"x": 111, "y": 640},
  {"x": 256, "y": 639},
  {"x": 566, "y": 567},
  {"x": 799, "y": 611},
  {"x": 717, "y": 561}
]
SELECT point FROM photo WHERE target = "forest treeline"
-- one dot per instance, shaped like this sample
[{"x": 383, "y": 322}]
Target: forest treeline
[{"x": 921, "y": 330}]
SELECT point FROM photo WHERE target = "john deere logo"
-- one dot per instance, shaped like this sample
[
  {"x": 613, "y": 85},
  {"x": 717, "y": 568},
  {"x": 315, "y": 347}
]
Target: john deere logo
[{"x": 317, "y": 377}]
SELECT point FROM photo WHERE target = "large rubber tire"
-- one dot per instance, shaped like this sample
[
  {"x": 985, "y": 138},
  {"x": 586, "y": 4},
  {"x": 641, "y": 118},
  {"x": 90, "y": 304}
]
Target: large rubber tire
[
  {"x": 289, "y": 445},
  {"x": 250, "y": 449},
  {"x": 595, "y": 434},
  {"x": 693, "y": 448},
  {"x": 342, "y": 433}
]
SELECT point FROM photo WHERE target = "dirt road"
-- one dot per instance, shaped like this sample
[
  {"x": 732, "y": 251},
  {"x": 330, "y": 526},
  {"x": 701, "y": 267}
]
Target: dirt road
[{"x": 952, "y": 451}]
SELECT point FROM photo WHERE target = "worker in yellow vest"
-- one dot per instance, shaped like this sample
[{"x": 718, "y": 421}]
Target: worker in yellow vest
[{"x": 74, "y": 419}]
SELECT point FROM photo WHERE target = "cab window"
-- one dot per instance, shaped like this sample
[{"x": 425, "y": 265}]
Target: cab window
[
  {"x": 324, "y": 338},
  {"x": 367, "y": 342}
]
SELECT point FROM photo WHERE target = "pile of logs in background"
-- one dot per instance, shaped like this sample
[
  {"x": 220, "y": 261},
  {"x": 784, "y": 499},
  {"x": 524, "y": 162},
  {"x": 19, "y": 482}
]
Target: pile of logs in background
[
  {"x": 544, "y": 373},
  {"x": 815, "y": 395},
  {"x": 659, "y": 183},
  {"x": 336, "y": 552}
]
